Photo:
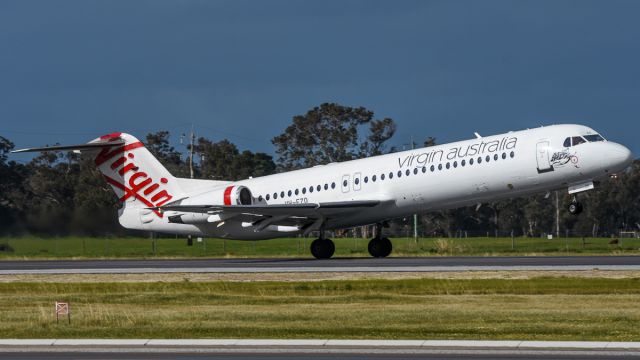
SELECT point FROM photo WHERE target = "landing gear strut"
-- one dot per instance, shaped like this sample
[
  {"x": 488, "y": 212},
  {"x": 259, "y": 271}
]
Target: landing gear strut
[
  {"x": 322, "y": 248},
  {"x": 575, "y": 207},
  {"x": 380, "y": 246}
]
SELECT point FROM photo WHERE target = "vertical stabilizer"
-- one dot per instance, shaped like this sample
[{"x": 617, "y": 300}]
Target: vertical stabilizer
[{"x": 134, "y": 173}]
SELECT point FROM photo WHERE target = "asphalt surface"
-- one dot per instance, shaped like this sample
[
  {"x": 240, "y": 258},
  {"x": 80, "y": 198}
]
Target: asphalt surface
[
  {"x": 435, "y": 355},
  {"x": 338, "y": 264}
]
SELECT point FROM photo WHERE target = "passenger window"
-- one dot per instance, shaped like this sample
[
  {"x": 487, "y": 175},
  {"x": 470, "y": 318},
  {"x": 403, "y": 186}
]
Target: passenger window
[
  {"x": 382, "y": 177},
  {"x": 471, "y": 161},
  {"x": 433, "y": 168},
  {"x": 463, "y": 162},
  {"x": 260, "y": 198},
  {"x": 399, "y": 173},
  {"x": 567, "y": 142},
  {"x": 512, "y": 154},
  {"x": 281, "y": 194},
  {"x": 408, "y": 172},
  {"x": 268, "y": 197},
  {"x": 504, "y": 156},
  {"x": 333, "y": 185},
  {"x": 577, "y": 140},
  {"x": 318, "y": 188},
  {"x": 439, "y": 166},
  {"x": 304, "y": 190},
  {"x": 424, "y": 169},
  {"x": 275, "y": 196},
  {"x": 357, "y": 181},
  {"x": 495, "y": 157},
  {"x": 487, "y": 158},
  {"x": 310, "y": 189},
  {"x": 296, "y": 192},
  {"x": 289, "y": 193},
  {"x": 373, "y": 178},
  {"x": 390, "y": 175},
  {"x": 455, "y": 164},
  {"x": 448, "y": 165},
  {"x": 326, "y": 186}
]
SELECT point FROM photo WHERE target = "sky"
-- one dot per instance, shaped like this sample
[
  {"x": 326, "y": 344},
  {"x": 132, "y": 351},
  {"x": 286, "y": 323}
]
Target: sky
[{"x": 73, "y": 70}]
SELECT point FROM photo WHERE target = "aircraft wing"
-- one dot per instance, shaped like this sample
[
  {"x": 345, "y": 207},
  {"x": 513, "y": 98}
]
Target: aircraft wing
[
  {"x": 299, "y": 210},
  {"x": 305, "y": 216}
]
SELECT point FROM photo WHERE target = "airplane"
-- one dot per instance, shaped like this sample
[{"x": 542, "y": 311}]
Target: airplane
[{"x": 352, "y": 193}]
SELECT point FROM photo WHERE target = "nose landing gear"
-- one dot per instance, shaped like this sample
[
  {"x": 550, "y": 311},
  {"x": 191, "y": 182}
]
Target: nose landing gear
[
  {"x": 575, "y": 207},
  {"x": 380, "y": 246}
]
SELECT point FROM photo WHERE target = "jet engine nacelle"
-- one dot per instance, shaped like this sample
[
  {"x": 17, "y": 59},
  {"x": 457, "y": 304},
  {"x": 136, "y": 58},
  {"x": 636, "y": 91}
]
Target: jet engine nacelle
[
  {"x": 231, "y": 195},
  {"x": 237, "y": 195}
]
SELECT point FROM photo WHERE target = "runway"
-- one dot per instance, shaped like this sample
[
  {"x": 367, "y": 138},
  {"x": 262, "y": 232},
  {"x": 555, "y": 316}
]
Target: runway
[
  {"x": 439, "y": 355},
  {"x": 422, "y": 264},
  {"x": 249, "y": 349}
]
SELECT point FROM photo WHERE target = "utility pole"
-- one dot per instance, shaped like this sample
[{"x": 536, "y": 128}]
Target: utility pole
[
  {"x": 557, "y": 216},
  {"x": 193, "y": 138},
  {"x": 415, "y": 216}
]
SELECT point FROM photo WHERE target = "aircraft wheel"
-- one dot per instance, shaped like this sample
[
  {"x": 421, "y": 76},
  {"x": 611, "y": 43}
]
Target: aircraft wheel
[
  {"x": 322, "y": 248},
  {"x": 574, "y": 208},
  {"x": 380, "y": 247}
]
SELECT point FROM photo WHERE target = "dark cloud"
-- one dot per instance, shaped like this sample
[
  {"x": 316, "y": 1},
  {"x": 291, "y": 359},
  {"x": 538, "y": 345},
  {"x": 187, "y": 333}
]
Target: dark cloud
[{"x": 242, "y": 69}]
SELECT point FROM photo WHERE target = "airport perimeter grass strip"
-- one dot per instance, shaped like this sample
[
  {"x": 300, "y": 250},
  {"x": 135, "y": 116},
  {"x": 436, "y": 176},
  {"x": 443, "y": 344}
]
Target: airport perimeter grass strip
[
  {"x": 566, "y": 309},
  {"x": 89, "y": 248},
  {"x": 37, "y": 344}
]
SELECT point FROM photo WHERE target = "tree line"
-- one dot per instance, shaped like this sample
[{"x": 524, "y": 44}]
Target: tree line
[{"x": 63, "y": 193}]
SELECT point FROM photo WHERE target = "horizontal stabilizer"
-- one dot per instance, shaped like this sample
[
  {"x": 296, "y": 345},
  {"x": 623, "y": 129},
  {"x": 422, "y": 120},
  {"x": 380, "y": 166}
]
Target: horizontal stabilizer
[{"x": 88, "y": 146}]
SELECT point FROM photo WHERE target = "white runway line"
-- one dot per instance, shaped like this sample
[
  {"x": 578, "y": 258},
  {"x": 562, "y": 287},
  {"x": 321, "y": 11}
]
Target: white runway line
[{"x": 317, "y": 343}]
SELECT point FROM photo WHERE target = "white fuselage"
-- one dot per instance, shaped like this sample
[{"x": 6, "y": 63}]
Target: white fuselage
[{"x": 445, "y": 176}]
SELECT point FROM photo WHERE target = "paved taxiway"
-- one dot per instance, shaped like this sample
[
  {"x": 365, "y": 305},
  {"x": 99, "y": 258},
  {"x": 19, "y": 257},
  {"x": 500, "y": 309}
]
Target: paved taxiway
[{"x": 332, "y": 265}]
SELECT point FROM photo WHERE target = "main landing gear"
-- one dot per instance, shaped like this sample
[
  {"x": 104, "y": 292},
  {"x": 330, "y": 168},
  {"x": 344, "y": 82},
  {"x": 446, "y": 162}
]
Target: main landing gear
[
  {"x": 575, "y": 207},
  {"x": 322, "y": 248},
  {"x": 380, "y": 247}
]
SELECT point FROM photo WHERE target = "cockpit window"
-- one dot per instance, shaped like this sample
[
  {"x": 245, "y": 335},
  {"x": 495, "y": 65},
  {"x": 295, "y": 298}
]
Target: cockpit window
[
  {"x": 577, "y": 140},
  {"x": 567, "y": 142},
  {"x": 594, "y": 138}
]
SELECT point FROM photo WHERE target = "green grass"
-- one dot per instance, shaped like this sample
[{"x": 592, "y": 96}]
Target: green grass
[
  {"x": 80, "y": 247},
  {"x": 539, "y": 308}
]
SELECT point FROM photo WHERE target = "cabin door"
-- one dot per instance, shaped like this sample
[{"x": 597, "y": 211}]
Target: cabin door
[{"x": 542, "y": 157}]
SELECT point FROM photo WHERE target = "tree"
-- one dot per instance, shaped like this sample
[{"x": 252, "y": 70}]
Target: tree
[
  {"x": 12, "y": 177},
  {"x": 222, "y": 161},
  {"x": 429, "y": 141},
  {"x": 158, "y": 144},
  {"x": 379, "y": 132},
  {"x": 331, "y": 133}
]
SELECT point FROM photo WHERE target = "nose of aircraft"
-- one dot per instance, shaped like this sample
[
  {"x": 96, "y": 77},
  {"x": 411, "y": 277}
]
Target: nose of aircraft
[{"x": 620, "y": 155}]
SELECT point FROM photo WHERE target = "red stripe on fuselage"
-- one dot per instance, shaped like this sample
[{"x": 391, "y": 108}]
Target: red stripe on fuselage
[{"x": 227, "y": 195}]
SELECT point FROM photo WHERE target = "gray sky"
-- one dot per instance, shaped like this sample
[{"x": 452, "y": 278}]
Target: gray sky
[{"x": 73, "y": 70}]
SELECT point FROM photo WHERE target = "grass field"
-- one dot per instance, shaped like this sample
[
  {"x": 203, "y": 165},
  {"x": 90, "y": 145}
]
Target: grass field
[
  {"x": 78, "y": 247},
  {"x": 539, "y": 308}
]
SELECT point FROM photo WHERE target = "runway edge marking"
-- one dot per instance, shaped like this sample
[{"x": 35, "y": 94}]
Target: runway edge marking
[{"x": 8, "y": 344}]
